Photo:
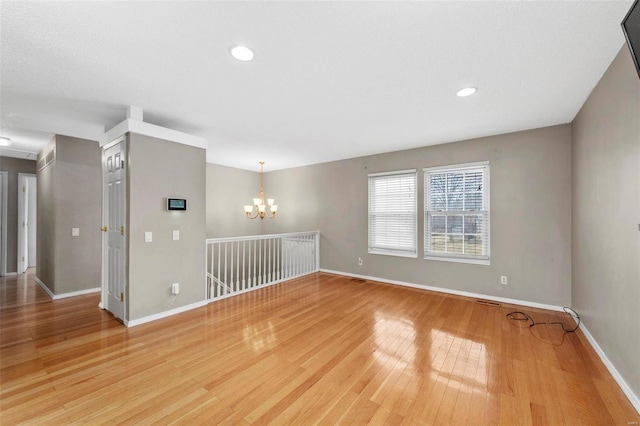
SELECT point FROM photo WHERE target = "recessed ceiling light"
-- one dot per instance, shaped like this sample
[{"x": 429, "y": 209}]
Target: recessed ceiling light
[
  {"x": 5, "y": 141},
  {"x": 467, "y": 91},
  {"x": 242, "y": 53}
]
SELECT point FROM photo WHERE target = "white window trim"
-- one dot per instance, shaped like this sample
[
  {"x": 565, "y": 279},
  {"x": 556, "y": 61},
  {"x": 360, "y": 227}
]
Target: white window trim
[
  {"x": 450, "y": 257},
  {"x": 392, "y": 252}
]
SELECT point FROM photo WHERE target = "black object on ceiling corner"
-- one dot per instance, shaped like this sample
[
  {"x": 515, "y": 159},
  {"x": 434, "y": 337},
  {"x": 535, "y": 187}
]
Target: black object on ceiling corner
[{"x": 631, "y": 29}]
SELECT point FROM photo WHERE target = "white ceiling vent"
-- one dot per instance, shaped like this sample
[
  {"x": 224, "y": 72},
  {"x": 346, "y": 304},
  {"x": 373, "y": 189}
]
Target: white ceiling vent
[{"x": 47, "y": 158}]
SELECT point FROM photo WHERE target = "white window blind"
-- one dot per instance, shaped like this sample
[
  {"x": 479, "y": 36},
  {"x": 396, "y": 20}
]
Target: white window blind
[
  {"x": 456, "y": 219},
  {"x": 393, "y": 213}
]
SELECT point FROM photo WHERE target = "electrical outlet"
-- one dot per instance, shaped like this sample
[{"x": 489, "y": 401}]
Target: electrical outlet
[
  {"x": 175, "y": 288},
  {"x": 360, "y": 261},
  {"x": 503, "y": 280}
]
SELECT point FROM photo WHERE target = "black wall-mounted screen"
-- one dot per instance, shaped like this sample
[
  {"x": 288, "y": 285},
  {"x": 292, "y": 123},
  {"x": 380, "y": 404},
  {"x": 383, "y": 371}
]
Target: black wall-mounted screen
[
  {"x": 631, "y": 29},
  {"x": 179, "y": 204}
]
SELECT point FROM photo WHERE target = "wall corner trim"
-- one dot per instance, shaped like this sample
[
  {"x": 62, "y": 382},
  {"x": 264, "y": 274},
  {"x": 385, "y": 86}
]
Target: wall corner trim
[
  {"x": 65, "y": 295},
  {"x": 140, "y": 127},
  {"x": 44, "y": 287},
  {"x": 449, "y": 291},
  {"x": 143, "y": 320},
  {"x": 633, "y": 398}
]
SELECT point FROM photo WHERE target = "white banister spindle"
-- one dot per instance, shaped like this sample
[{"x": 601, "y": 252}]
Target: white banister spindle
[
  {"x": 285, "y": 261},
  {"x": 305, "y": 263},
  {"x": 225, "y": 266},
  {"x": 279, "y": 256},
  {"x": 310, "y": 256},
  {"x": 316, "y": 253},
  {"x": 210, "y": 274},
  {"x": 296, "y": 260},
  {"x": 265, "y": 243},
  {"x": 249, "y": 264},
  {"x": 264, "y": 262},
  {"x": 274, "y": 277},
  {"x": 244, "y": 266},
  {"x": 272, "y": 259},
  {"x": 261, "y": 261},
  {"x": 218, "y": 275},
  {"x": 252, "y": 265},
  {"x": 230, "y": 282},
  {"x": 237, "y": 287}
]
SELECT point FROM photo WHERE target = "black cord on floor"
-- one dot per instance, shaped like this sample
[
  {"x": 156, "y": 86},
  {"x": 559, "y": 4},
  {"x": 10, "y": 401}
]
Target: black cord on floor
[{"x": 521, "y": 316}]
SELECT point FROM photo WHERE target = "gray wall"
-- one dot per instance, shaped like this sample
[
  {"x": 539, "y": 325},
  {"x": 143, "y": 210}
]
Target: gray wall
[
  {"x": 14, "y": 166},
  {"x": 159, "y": 169},
  {"x": 530, "y": 214},
  {"x": 228, "y": 190},
  {"x": 70, "y": 196},
  {"x": 606, "y": 216}
]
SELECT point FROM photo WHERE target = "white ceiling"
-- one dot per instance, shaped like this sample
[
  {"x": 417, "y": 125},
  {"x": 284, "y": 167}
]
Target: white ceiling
[{"x": 330, "y": 80}]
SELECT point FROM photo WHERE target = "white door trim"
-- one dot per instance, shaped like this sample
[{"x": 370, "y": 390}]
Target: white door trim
[
  {"x": 105, "y": 208},
  {"x": 22, "y": 177},
  {"x": 3, "y": 223}
]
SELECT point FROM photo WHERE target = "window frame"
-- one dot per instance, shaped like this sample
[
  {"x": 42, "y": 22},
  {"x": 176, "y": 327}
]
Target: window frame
[
  {"x": 484, "y": 259},
  {"x": 390, "y": 251}
]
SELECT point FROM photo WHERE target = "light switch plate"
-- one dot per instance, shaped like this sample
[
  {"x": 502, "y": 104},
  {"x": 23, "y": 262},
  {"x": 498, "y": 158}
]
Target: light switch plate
[
  {"x": 148, "y": 237},
  {"x": 176, "y": 235},
  {"x": 75, "y": 232}
]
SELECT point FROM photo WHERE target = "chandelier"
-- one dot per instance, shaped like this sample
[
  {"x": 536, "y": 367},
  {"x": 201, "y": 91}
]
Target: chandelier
[{"x": 258, "y": 204}]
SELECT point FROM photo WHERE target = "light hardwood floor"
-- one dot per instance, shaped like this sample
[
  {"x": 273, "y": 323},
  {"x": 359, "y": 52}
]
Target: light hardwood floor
[{"x": 322, "y": 349}]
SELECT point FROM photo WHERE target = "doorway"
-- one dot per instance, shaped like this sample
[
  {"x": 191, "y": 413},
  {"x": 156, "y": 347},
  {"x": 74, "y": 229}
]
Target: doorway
[
  {"x": 114, "y": 220},
  {"x": 3, "y": 223},
  {"x": 27, "y": 224}
]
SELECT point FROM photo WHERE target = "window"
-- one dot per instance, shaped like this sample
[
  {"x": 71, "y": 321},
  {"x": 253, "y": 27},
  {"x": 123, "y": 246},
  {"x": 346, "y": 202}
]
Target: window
[
  {"x": 393, "y": 215},
  {"x": 456, "y": 213}
]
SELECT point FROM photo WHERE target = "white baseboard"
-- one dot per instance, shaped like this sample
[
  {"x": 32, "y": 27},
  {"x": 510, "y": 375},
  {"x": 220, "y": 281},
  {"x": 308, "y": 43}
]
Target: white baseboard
[
  {"x": 449, "y": 291},
  {"x": 143, "y": 320},
  {"x": 77, "y": 293},
  {"x": 633, "y": 398},
  {"x": 10, "y": 274},
  {"x": 44, "y": 287},
  {"x": 65, "y": 295}
]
